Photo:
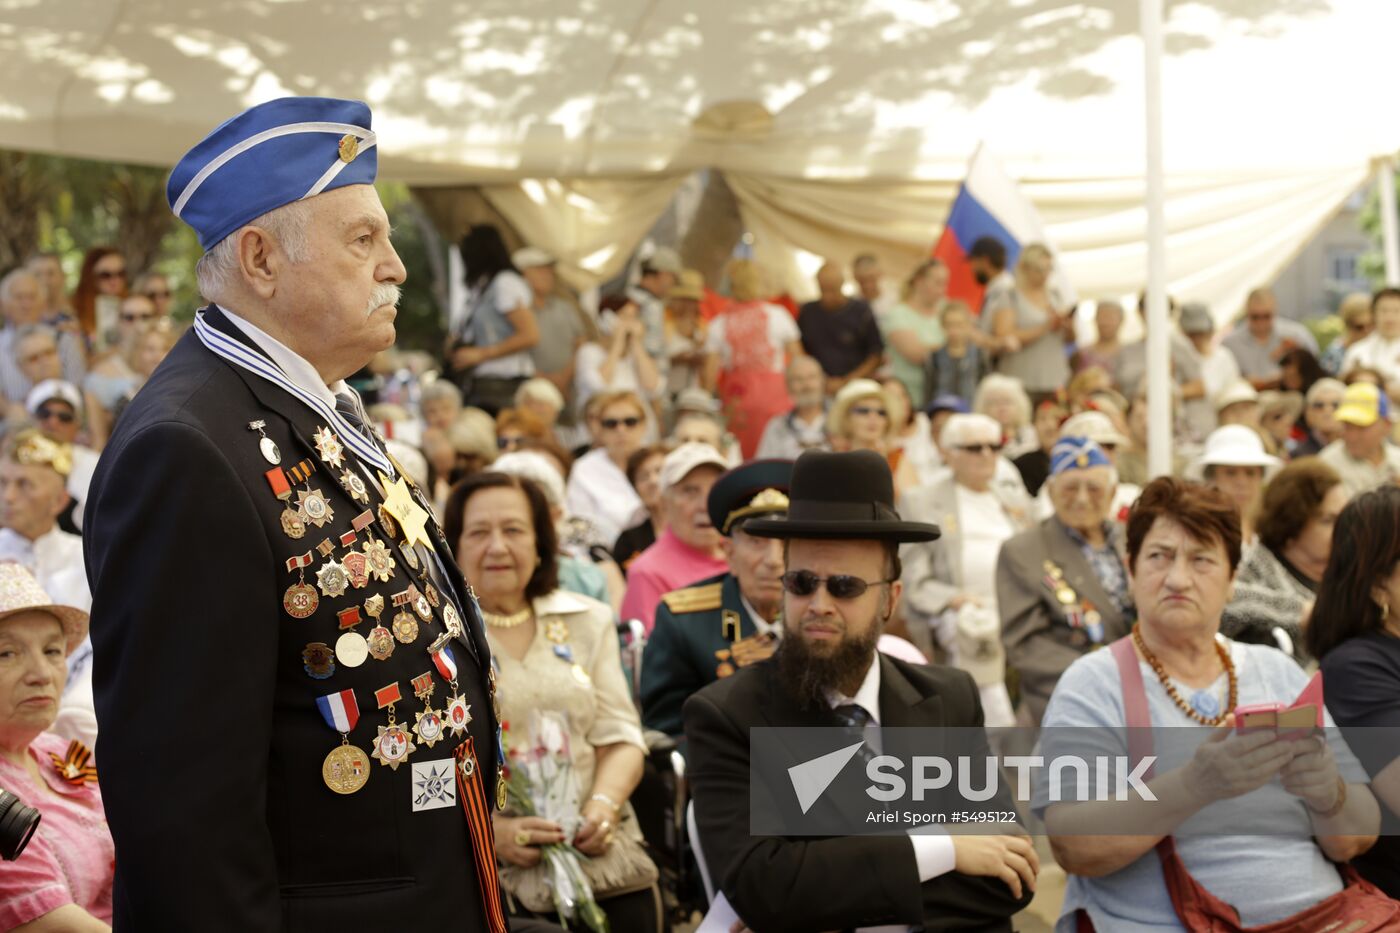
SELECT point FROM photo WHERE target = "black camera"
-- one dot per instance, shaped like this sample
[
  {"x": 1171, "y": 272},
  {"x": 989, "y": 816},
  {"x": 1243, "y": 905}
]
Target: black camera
[{"x": 17, "y": 825}]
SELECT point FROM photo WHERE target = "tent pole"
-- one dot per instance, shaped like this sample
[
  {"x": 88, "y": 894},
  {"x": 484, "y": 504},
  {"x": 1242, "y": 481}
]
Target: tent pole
[
  {"x": 1390, "y": 237},
  {"x": 1159, "y": 393}
]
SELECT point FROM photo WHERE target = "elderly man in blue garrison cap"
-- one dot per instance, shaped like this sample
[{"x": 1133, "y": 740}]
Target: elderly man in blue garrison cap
[
  {"x": 292, "y": 682},
  {"x": 1062, "y": 586}
]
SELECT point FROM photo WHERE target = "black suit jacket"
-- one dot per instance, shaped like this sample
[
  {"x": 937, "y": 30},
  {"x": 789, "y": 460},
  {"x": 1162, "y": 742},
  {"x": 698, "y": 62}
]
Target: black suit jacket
[
  {"x": 796, "y": 884},
  {"x": 211, "y": 743}
]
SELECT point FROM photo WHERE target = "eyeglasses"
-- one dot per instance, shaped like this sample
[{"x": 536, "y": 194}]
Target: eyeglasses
[
  {"x": 130, "y": 318},
  {"x": 1357, "y": 327},
  {"x": 1319, "y": 406},
  {"x": 507, "y": 443},
  {"x": 157, "y": 296},
  {"x": 839, "y": 585},
  {"x": 866, "y": 410},
  {"x": 39, "y": 355},
  {"x": 111, "y": 274},
  {"x": 980, "y": 448},
  {"x": 46, "y": 414},
  {"x": 1261, "y": 317},
  {"x": 612, "y": 424}
]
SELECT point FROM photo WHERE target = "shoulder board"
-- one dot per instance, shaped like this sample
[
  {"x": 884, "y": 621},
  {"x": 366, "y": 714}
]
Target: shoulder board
[{"x": 695, "y": 598}]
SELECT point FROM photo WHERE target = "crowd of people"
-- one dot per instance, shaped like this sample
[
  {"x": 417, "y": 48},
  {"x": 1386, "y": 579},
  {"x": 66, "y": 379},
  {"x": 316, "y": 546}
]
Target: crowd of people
[{"x": 621, "y": 470}]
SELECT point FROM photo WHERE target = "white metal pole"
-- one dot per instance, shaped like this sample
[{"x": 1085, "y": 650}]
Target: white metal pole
[
  {"x": 1390, "y": 236},
  {"x": 1159, "y": 390}
]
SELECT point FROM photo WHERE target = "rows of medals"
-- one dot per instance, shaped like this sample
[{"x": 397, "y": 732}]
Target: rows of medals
[{"x": 348, "y": 562}]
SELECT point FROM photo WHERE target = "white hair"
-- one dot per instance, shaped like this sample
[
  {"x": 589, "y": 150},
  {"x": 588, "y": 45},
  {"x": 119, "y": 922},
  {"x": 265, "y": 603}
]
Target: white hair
[
  {"x": 7, "y": 284},
  {"x": 959, "y": 427},
  {"x": 537, "y": 468},
  {"x": 540, "y": 390},
  {"x": 441, "y": 389},
  {"x": 998, "y": 383},
  {"x": 1336, "y": 386},
  {"x": 289, "y": 225}
]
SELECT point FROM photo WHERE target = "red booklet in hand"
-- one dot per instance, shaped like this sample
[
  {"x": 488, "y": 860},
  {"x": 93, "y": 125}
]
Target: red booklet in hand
[{"x": 1304, "y": 714}]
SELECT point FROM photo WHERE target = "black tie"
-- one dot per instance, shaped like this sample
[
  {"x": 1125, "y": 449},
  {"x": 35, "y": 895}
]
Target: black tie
[
  {"x": 857, "y": 720},
  {"x": 345, "y": 404}
]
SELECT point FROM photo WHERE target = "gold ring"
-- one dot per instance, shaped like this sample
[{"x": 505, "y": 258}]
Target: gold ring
[{"x": 522, "y": 837}]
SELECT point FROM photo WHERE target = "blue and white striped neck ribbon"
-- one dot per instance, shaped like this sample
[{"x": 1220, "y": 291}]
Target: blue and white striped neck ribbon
[{"x": 235, "y": 352}]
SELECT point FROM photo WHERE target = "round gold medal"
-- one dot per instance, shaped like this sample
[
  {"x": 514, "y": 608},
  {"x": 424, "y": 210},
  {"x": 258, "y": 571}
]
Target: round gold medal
[
  {"x": 381, "y": 643},
  {"x": 405, "y": 628},
  {"x": 351, "y": 649},
  {"x": 346, "y": 769},
  {"x": 292, "y": 525},
  {"x": 300, "y": 600}
]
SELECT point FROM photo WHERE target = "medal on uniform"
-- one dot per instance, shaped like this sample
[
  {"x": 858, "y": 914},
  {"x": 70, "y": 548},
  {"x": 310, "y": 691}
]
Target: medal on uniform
[
  {"x": 381, "y": 563},
  {"x": 266, "y": 445},
  {"x": 318, "y": 660},
  {"x": 351, "y": 649},
  {"x": 292, "y": 524},
  {"x": 459, "y": 711},
  {"x": 314, "y": 508},
  {"x": 421, "y": 604},
  {"x": 387, "y": 522},
  {"x": 405, "y": 626},
  {"x": 1093, "y": 622},
  {"x": 351, "y": 482},
  {"x": 332, "y": 578},
  {"x": 430, "y": 591},
  {"x": 556, "y": 630},
  {"x": 346, "y": 768},
  {"x": 300, "y": 600},
  {"x": 381, "y": 640},
  {"x": 412, "y": 518},
  {"x": 452, "y": 623},
  {"x": 329, "y": 448},
  {"x": 394, "y": 745},
  {"x": 428, "y": 725}
]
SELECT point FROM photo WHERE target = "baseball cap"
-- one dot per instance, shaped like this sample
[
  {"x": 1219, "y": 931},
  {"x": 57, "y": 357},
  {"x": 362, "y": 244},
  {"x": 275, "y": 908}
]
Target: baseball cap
[
  {"x": 686, "y": 458},
  {"x": 1363, "y": 404}
]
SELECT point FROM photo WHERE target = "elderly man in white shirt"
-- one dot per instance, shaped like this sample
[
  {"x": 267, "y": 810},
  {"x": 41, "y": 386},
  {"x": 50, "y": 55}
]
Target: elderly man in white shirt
[
  {"x": 949, "y": 580},
  {"x": 1380, "y": 350}
]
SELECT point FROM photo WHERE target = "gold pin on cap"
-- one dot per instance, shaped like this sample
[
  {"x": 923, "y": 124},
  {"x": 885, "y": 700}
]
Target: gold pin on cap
[{"x": 349, "y": 147}]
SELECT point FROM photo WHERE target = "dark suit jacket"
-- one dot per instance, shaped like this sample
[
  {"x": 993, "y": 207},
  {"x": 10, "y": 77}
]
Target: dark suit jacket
[
  {"x": 211, "y": 742},
  {"x": 1035, "y": 629},
  {"x": 796, "y": 884},
  {"x": 680, "y": 656}
]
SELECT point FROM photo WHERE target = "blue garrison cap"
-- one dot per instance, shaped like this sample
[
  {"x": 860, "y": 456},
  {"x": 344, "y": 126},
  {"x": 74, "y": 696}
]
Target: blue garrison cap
[
  {"x": 270, "y": 155},
  {"x": 1076, "y": 453},
  {"x": 947, "y": 402}
]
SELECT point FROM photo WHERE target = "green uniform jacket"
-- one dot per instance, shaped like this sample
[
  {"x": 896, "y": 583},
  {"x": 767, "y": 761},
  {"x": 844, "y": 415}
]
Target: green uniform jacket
[{"x": 691, "y": 646}]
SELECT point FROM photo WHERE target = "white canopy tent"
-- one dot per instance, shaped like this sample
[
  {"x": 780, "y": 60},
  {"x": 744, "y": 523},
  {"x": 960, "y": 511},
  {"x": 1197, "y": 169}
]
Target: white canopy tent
[{"x": 841, "y": 125}]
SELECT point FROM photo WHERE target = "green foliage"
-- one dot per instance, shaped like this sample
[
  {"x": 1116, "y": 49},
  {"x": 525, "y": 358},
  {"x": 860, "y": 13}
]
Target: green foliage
[
  {"x": 1373, "y": 260},
  {"x": 67, "y": 206}
]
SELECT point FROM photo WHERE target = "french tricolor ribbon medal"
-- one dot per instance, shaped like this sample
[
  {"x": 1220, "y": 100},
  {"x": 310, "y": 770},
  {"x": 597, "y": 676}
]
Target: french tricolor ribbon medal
[
  {"x": 339, "y": 710},
  {"x": 346, "y": 768},
  {"x": 459, "y": 711}
]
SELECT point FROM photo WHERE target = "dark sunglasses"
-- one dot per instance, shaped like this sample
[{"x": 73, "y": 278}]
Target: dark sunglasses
[
  {"x": 980, "y": 448},
  {"x": 112, "y": 274},
  {"x": 866, "y": 410},
  {"x": 504, "y": 443},
  {"x": 1261, "y": 317},
  {"x": 612, "y": 424},
  {"x": 157, "y": 295},
  {"x": 45, "y": 414},
  {"x": 133, "y": 318},
  {"x": 1319, "y": 406},
  {"x": 1359, "y": 327},
  {"x": 839, "y": 585}
]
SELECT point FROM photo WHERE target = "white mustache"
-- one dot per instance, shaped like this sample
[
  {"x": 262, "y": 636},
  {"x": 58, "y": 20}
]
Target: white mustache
[{"x": 385, "y": 293}]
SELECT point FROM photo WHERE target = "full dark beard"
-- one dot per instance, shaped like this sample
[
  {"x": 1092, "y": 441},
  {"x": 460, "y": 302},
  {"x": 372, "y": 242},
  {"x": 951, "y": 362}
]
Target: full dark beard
[{"x": 808, "y": 677}]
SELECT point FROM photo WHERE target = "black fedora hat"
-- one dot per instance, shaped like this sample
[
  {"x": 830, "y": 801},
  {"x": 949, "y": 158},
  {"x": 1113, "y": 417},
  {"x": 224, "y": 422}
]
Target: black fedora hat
[{"x": 842, "y": 495}]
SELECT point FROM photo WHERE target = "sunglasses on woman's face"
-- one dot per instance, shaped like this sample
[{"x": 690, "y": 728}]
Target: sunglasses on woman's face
[
  {"x": 46, "y": 414},
  {"x": 866, "y": 410},
  {"x": 839, "y": 585},
  {"x": 157, "y": 296},
  {"x": 112, "y": 274},
  {"x": 129, "y": 318},
  {"x": 612, "y": 424}
]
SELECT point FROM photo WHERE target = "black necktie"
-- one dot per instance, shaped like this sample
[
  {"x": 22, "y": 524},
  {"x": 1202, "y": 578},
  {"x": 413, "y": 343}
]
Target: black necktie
[
  {"x": 345, "y": 404},
  {"x": 857, "y": 720}
]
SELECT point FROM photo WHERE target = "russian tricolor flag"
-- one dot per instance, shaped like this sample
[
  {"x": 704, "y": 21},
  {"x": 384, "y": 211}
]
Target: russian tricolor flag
[{"x": 989, "y": 203}]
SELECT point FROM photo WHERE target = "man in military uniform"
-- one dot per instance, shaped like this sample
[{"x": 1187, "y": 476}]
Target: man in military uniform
[
  {"x": 709, "y": 630},
  {"x": 292, "y": 682}
]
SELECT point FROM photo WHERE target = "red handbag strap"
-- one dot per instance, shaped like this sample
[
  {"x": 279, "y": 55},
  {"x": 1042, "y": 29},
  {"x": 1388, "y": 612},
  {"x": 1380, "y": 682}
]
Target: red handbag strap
[{"x": 1138, "y": 720}]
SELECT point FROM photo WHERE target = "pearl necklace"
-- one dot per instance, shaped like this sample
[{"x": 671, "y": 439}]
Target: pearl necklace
[
  {"x": 1167, "y": 684},
  {"x": 510, "y": 621}
]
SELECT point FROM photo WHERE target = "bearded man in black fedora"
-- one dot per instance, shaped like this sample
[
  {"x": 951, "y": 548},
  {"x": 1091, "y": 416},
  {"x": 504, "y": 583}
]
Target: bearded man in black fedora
[{"x": 841, "y": 587}]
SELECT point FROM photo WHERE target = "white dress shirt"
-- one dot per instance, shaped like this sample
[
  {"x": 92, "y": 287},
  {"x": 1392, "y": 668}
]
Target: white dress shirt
[
  {"x": 599, "y": 491},
  {"x": 934, "y": 854},
  {"x": 763, "y": 628}
]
